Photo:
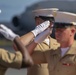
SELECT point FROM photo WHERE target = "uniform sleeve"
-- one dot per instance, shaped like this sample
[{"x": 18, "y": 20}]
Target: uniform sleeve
[
  {"x": 38, "y": 57},
  {"x": 10, "y": 60},
  {"x": 38, "y": 48}
]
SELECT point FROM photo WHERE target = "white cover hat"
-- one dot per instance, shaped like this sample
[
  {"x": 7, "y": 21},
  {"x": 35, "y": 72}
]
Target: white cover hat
[
  {"x": 48, "y": 12},
  {"x": 65, "y": 17}
]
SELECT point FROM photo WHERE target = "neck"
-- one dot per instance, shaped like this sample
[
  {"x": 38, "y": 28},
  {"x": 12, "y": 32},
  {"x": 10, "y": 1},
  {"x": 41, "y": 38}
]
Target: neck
[{"x": 67, "y": 44}]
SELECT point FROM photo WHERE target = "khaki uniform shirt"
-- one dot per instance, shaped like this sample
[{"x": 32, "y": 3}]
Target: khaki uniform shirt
[
  {"x": 9, "y": 60},
  {"x": 57, "y": 64},
  {"x": 42, "y": 69}
]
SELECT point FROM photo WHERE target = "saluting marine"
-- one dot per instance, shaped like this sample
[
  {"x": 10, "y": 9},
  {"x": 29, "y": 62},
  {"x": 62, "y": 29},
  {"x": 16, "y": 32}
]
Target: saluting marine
[
  {"x": 21, "y": 58},
  {"x": 61, "y": 61},
  {"x": 42, "y": 15}
]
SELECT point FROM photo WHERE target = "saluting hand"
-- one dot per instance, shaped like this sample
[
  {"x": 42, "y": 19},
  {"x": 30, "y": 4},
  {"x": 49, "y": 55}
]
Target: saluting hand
[
  {"x": 7, "y": 33},
  {"x": 40, "y": 28}
]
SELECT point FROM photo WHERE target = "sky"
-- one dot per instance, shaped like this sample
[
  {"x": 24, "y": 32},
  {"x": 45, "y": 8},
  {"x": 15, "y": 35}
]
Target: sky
[{"x": 9, "y": 8}]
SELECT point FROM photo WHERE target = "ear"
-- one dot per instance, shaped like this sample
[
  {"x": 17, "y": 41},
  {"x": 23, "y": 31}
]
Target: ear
[{"x": 73, "y": 30}]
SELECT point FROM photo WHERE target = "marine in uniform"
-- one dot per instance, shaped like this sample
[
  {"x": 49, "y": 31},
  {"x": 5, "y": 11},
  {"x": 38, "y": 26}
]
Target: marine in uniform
[
  {"x": 18, "y": 59},
  {"x": 21, "y": 58},
  {"x": 62, "y": 60},
  {"x": 42, "y": 15}
]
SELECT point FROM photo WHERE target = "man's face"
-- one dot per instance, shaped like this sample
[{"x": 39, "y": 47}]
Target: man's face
[
  {"x": 62, "y": 34},
  {"x": 39, "y": 21}
]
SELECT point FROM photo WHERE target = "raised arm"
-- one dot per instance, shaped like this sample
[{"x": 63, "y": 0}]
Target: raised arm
[
  {"x": 27, "y": 61},
  {"x": 36, "y": 38},
  {"x": 28, "y": 38}
]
